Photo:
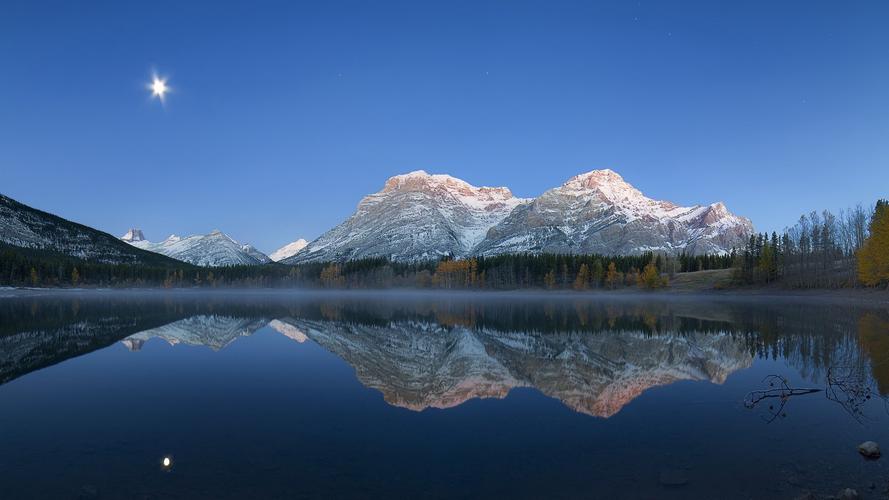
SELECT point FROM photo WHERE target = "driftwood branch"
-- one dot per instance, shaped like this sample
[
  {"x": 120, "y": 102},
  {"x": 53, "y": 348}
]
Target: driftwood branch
[
  {"x": 851, "y": 391},
  {"x": 780, "y": 391},
  {"x": 844, "y": 386}
]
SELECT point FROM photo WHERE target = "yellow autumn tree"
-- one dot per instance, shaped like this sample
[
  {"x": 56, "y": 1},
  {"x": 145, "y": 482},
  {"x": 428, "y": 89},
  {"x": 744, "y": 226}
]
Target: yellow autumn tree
[
  {"x": 582, "y": 282},
  {"x": 651, "y": 277},
  {"x": 873, "y": 257},
  {"x": 612, "y": 277},
  {"x": 549, "y": 280},
  {"x": 332, "y": 277}
]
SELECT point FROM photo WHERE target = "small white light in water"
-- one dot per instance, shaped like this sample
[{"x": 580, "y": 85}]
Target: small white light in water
[{"x": 167, "y": 462}]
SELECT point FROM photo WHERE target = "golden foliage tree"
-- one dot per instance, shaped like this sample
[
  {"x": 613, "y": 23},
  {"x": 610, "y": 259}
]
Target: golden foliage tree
[
  {"x": 582, "y": 282},
  {"x": 332, "y": 277},
  {"x": 549, "y": 279},
  {"x": 612, "y": 277},
  {"x": 457, "y": 274},
  {"x": 873, "y": 258},
  {"x": 651, "y": 277}
]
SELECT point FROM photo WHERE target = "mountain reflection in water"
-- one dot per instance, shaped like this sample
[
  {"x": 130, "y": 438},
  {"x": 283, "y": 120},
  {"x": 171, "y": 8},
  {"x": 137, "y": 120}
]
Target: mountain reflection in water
[{"x": 438, "y": 352}]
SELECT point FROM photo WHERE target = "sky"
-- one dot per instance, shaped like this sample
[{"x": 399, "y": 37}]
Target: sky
[{"x": 283, "y": 115}]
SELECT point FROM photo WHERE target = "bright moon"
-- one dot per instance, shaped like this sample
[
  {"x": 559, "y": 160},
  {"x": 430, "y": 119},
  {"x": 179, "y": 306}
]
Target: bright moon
[
  {"x": 158, "y": 87},
  {"x": 167, "y": 462}
]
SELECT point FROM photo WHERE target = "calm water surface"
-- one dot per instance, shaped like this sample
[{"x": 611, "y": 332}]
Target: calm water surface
[{"x": 278, "y": 395}]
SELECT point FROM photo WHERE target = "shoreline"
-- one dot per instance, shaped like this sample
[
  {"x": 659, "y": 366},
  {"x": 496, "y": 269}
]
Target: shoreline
[{"x": 859, "y": 295}]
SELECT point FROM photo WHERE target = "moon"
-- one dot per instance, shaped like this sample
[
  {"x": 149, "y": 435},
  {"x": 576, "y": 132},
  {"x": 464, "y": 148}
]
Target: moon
[{"x": 158, "y": 88}]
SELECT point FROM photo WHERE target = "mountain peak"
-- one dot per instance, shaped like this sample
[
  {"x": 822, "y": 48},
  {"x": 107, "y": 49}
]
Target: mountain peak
[
  {"x": 421, "y": 181},
  {"x": 608, "y": 184},
  {"x": 133, "y": 235},
  {"x": 596, "y": 178}
]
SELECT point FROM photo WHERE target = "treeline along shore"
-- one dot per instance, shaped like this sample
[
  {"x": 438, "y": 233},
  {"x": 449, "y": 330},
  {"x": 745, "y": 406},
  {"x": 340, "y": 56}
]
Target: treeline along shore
[{"x": 822, "y": 250}]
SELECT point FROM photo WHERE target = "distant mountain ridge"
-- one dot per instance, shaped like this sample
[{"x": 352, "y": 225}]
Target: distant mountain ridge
[
  {"x": 213, "y": 249},
  {"x": 288, "y": 250},
  {"x": 419, "y": 216}
]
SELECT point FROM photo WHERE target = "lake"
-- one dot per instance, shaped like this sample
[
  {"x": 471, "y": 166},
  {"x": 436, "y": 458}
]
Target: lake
[{"x": 301, "y": 395}]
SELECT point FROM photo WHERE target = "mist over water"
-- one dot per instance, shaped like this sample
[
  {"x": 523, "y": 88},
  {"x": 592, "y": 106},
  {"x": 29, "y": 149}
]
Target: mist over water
[{"x": 267, "y": 394}]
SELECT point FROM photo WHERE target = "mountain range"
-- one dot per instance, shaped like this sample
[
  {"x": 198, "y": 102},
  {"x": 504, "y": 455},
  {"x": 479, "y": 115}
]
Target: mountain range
[{"x": 420, "y": 216}]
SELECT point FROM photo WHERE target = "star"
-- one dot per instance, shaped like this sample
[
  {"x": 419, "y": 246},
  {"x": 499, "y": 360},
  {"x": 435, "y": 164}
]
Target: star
[{"x": 158, "y": 87}]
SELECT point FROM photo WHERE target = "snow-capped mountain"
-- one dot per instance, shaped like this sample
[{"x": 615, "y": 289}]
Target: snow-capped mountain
[
  {"x": 420, "y": 216},
  {"x": 415, "y": 216},
  {"x": 599, "y": 212},
  {"x": 23, "y": 226},
  {"x": 214, "y": 249},
  {"x": 288, "y": 250}
]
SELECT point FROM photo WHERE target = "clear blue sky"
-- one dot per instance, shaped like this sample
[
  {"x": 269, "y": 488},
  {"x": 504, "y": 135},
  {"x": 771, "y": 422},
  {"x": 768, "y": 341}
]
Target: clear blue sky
[{"x": 285, "y": 114}]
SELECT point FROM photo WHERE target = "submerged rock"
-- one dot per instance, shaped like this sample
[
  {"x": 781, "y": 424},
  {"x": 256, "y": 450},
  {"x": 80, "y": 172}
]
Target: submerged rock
[
  {"x": 869, "y": 449},
  {"x": 673, "y": 478},
  {"x": 88, "y": 492},
  {"x": 848, "y": 494}
]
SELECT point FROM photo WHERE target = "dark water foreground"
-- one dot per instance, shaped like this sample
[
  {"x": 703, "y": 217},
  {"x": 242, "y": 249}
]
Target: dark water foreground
[{"x": 272, "y": 395}]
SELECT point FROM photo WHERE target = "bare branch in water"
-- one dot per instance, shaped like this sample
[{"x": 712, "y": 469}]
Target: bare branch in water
[
  {"x": 851, "y": 391},
  {"x": 778, "y": 389},
  {"x": 845, "y": 387}
]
